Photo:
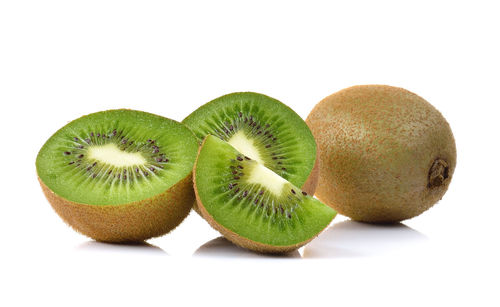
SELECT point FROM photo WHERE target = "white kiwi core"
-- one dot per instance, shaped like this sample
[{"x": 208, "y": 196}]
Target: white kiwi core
[
  {"x": 266, "y": 177},
  {"x": 246, "y": 146},
  {"x": 111, "y": 154}
]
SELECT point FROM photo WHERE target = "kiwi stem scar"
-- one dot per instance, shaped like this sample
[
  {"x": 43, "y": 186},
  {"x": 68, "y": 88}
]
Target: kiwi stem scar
[
  {"x": 111, "y": 154},
  {"x": 438, "y": 173}
]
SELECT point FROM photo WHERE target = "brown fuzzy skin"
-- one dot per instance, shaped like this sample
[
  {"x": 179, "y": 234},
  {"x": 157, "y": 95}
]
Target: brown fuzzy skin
[
  {"x": 234, "y": 237},
  {"x": 377, "y": 145},
  {"x": 132, "y": 222},
  {"x": 312, "y": 181}
]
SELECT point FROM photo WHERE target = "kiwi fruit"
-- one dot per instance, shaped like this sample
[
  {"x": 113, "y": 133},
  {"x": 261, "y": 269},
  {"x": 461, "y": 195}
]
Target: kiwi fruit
[
  {"x": 263, "y": 129},
  {"x": 119, "y": 175},
  {"x": 386, "y": 154},
  {"x": 251, "y": 205}
]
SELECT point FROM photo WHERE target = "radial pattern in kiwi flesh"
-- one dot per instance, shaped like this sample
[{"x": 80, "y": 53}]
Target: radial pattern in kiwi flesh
[
  {"x": 263, "y": 129},
  {"x": 251, "y": 205},
  {"x": 119, "y": 158}
]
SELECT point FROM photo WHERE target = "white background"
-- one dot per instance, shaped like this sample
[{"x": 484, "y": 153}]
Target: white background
[{"x": 60, "y": 60}]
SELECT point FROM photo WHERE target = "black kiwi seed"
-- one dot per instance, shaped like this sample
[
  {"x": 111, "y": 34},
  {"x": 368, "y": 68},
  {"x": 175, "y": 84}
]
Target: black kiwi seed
[
  {"x": 239, "y": 158},
  {"x": 236, "y": 178},
  {"x": 304, "y": 193},
  {"x": 67, "y": 153},
  {"x": 293, "y": 191},
  {"x": 80, "y": 156},
  {"x": 245, "y": 194}
]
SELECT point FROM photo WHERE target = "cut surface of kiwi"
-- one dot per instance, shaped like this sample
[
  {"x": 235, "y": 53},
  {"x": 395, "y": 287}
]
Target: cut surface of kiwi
[
  {"x": 263, "y": 129},
  {"x": 250, "y": 204},
  {"x": 104, "y": 171}
]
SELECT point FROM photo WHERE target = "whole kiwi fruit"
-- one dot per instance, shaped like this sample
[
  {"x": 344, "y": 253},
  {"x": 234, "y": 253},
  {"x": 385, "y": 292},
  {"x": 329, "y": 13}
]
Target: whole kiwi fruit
[{"x": 386, "y": 154}]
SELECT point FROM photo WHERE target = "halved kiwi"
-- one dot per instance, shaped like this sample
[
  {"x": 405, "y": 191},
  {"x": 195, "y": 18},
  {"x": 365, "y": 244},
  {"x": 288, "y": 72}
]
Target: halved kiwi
[
  {"x": 119, "y": 175},
  {"x": 250, "y": 204},
  {"x": 263, "y": 129}
]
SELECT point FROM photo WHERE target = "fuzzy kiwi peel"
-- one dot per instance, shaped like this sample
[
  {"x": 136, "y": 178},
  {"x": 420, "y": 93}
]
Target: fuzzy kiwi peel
[
  {"x": 119, "y": 175},
  {"x": 250, "y": 204},
  {"x": 386, "y": 154}
]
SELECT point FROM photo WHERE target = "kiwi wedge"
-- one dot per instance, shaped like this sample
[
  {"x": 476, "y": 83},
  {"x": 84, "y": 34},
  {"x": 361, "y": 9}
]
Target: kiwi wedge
[
  {"x": 251, "y": 205},
  {"x": 263, "y": 129},
  {"x": 119, "y": 175}
]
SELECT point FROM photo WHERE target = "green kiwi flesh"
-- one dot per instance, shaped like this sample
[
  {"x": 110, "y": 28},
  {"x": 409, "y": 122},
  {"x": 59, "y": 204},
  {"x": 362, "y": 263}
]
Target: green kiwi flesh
[
  {"x": 263, "y": 129},
  {"x": 250, "y": 204},
  {"x": 119, "y": 163}
]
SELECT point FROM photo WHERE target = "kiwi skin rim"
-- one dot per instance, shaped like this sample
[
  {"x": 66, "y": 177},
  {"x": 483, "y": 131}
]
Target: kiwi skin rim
[
  {"x": 234, "y": 237},
  {"x": 131, "y": 222}
]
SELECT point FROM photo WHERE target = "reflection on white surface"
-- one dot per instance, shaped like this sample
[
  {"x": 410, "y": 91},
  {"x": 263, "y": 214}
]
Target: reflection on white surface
[
  {"x": 354, "y": 239},
  {"x": 221, "y": 247},
  {"x": 129, "y": 248}
]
